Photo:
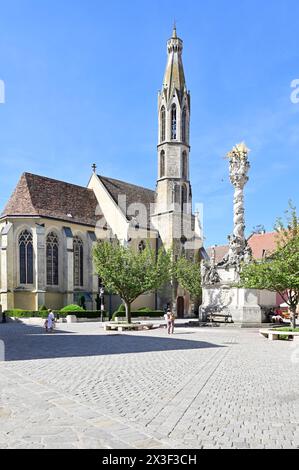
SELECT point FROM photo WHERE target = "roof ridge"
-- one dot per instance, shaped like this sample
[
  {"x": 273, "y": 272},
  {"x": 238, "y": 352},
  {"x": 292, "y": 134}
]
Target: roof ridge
[
  {"x": 56, "y": 180},
  {"x": 125, "y": 182},
  {"x": 28, "y": 189}
]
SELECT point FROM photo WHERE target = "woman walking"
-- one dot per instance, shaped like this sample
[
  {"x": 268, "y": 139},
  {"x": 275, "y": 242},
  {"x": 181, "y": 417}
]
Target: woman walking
[
  {"x": 51, "y": 321},
  {"x": 170, "y": 321}
]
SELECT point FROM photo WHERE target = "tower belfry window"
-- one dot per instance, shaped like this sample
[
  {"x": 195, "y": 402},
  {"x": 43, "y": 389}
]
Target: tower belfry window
[
  {"x": 184, "y": 165},
  {"x": 162, "y": 164},
  {"x": 173, "y": 122},
  {"x": 163, "y": 124},
  {"x": 184, "y": 125}
]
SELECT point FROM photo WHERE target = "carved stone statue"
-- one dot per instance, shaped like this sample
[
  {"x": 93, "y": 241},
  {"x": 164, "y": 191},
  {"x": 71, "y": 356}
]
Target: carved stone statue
[{"x": 238, "y": 170}]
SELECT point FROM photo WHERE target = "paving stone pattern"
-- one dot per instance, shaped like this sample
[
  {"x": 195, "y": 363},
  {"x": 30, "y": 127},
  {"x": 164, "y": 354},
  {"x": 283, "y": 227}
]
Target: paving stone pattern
[{"x": 200, "y": 388}]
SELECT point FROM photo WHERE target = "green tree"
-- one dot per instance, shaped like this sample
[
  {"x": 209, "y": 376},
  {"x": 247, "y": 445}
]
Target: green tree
[
  {"x": 130, "y": 273},
  {"x": 279, "y": 272},
  {"x": 187, "y": 273}
]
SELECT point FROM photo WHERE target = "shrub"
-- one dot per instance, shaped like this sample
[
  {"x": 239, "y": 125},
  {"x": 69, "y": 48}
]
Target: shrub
[
  {"x": 19, "y": 313},
  {"x": 71, "y": 308},
  {"x": 43, "y": 308},
  {"x": 89, "y": 314},
  {"x": 288, "y": 329},
  {"x": 121, "y": 308}
]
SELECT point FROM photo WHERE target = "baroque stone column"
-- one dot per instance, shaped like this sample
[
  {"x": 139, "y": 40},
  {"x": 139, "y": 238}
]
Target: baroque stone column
[{"x": 238, "y": 171}]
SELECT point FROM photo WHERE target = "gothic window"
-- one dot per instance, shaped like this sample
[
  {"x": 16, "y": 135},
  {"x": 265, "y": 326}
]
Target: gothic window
[
  {"x": 162, "y": 164},
  {"x": 78, "y": 262},
  {"x": 173, "y": 122},
  {"x": 184, "y": 197},
  {"x": 184, "y": 125},
  {"x": 184, "y": 165},
  {"x": 163, "y": 123},
  {"x": 177, "y": 191},
  {"x": 26, "y": 257},
  {"x": 52, "y": 259}
]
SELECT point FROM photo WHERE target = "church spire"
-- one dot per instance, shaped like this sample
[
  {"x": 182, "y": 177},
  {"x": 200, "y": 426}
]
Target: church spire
[
  {"x": 174, "y": 77},
  {"x": 174, "y": 34}
]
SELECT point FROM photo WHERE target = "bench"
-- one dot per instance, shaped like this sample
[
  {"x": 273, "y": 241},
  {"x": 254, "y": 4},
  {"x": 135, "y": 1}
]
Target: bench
[
  {"x": 128, "y": 327},
  {"x": 227, "y": 317},
  {"x": 273, "y": 335}
]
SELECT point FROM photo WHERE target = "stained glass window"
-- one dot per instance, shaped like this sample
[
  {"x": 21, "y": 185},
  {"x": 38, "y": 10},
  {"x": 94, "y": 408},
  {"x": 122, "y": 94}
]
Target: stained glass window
[
  {"x": 52, "y": 259},
  {"x": 78, "y": 262},
  {"x": 26, "y": 257}
]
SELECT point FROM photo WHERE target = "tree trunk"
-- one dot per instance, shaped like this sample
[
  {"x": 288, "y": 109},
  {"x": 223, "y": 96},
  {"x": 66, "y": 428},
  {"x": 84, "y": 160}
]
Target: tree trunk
[
  {"x": 293, "y": 316},
  {"x": 128, "y": 312}
]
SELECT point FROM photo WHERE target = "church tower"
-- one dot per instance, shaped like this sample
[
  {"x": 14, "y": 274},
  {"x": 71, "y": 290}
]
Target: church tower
[{"x": 173, "y": 192}]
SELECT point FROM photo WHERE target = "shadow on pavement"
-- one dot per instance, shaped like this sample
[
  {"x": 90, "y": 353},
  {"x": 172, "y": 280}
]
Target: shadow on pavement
[{"x": 27, "y": 342}]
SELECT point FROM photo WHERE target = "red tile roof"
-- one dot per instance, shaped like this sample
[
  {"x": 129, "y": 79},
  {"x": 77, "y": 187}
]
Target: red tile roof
[
  {"x": 45, "y": 197},
  {"x": 262, "y": 244}
]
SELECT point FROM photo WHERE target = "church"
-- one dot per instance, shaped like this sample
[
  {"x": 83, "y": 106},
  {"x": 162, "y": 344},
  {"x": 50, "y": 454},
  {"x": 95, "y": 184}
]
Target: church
[{"x": 48, "y": 227}]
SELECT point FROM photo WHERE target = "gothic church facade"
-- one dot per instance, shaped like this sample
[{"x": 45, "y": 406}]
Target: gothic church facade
[{"x": 48, "y": 227}]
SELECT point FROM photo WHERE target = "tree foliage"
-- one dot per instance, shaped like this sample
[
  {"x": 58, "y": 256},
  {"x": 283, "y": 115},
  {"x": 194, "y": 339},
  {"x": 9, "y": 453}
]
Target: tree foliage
[
  {"x": 187, "y": 273},
  {"x": 130, "y": 273},
  {"x": 279, "y": 272}
]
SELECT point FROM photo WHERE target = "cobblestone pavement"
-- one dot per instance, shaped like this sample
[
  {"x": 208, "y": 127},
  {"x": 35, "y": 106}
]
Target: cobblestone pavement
[{"x": 201, "y": 388}]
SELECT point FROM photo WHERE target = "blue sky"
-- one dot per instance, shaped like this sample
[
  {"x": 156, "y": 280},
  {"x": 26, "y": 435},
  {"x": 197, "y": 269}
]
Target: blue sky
[{"x": 82, "y": 79}]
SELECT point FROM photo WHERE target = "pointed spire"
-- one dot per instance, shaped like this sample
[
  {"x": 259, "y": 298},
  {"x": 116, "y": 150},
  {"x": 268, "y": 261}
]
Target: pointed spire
[
  {"x": 174, "y": 34},
  {"x": 174, "y": 74}
]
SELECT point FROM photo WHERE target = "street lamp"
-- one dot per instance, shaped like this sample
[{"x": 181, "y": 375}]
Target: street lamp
[{"x": 102, "y": 292}]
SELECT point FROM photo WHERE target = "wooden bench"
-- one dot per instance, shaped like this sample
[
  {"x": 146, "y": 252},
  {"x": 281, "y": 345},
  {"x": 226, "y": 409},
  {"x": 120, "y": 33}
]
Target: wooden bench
[
  {"x": 227, "y": 317},
  {"x": 273, "y": 335},
  {"x": 128, "y": 327}
]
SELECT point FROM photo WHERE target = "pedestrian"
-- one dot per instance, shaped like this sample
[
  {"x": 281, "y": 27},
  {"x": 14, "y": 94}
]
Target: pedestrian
[
  {"x": 50, "y": 321},
  {"x": 166, "y": 318},
  {"x": 170, "y": 321}
]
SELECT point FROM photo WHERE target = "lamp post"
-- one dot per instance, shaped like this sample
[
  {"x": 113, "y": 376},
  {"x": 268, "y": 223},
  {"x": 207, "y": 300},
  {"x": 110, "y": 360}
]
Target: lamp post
[{"x": 102, "y": 292}]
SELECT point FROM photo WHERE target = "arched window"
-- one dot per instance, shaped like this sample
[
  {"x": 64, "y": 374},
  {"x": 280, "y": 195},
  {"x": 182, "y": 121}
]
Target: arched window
[
  {"x": 162, "y": 164},
  {"x": 26, "y": 257},
  {"x": 184, "y": 165},
  {"x": 52, "y": 259},
  {"x": 184, "y": 125},
  {"x": 177, "y": 192},
  {"x": 184, "y": 197},
  {"x": 78, "y": 262},
  {"x": 173, "y": 122},
  {"x": 163, "y": 124}
]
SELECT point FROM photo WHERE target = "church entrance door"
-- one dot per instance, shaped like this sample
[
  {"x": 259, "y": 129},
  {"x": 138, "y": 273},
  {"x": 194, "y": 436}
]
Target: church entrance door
[{"x": 180, "y": 304}]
